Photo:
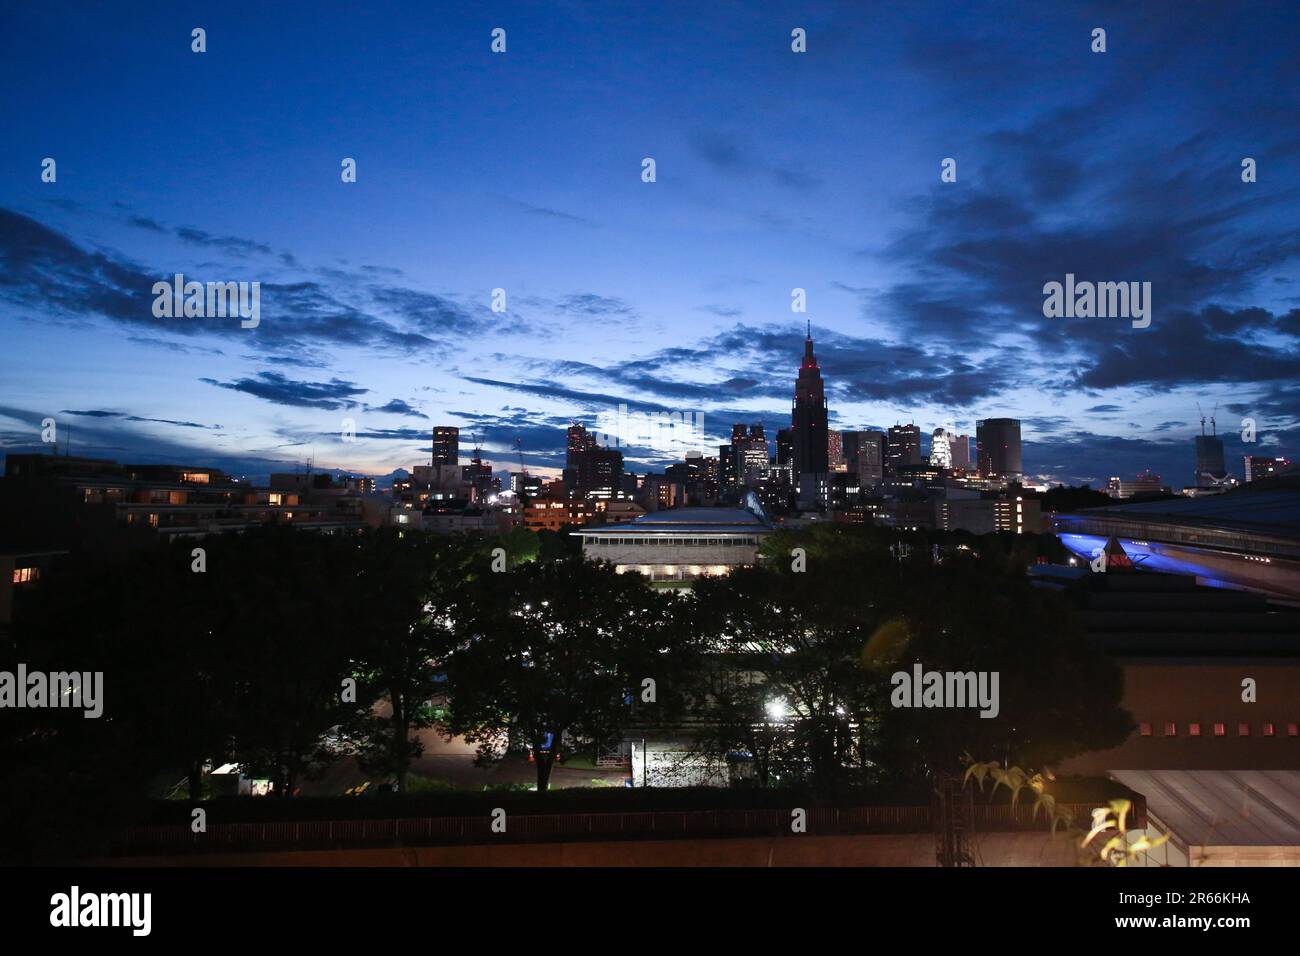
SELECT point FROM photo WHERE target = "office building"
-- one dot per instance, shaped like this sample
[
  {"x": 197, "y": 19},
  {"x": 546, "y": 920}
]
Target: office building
[
  {"x": 1259, "y": 467},
  {"x": 959, "y": 448},
  {"x": 446, "y": 445},
  {"x": 940, "y": 449},
  {"x": 835, "y": 450},
  {"x": 1144, "y": 484},
  {"x": 902, "y": 447},
  {"x": 997, "y": 442}
]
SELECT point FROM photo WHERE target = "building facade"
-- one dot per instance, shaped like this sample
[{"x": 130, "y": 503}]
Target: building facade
[
  {"x": 681, "y": 544},
  {"x": 997, "y": 442}
]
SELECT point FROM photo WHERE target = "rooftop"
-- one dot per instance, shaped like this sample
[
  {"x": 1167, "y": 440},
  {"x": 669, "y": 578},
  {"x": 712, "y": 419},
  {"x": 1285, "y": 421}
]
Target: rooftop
[
  {"x": 688, "y": 520},
  {"x": 1223, "y": 807},
  {"x": 1269, "y": 506}
]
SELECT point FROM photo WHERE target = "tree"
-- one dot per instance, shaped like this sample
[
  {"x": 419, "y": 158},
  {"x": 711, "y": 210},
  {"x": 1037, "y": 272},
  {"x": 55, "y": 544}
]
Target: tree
[
  {"x": 550, "y": 649},
  {"x": 292, "y": 623},
  {"x": 820, "y": 646},
  {"x": 791, "y": 689},
  {"x": 407, "y": 584},
  {"x": 1058, "y": 695}
]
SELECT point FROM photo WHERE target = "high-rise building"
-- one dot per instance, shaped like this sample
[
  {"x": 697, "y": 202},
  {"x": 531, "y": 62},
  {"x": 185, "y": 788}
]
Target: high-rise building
[
  {"x": 959, "y": 445},
  {"x": 902, "y": 447},
  {"x": 864, "y": 456},
  {"x": 808, "y": 416},
  {"x": 835, "y": 450},
  {"x": 784, "y": 446},
  {"x": 1210, "y": 467},
  {"x": 1259, "y": 467},
  {"x": 726, "y": 468},
  {"x": 579, "y": 441},
  {"x": 940, "y": 449},
  {"x": 590, "y": 469},
  {"x": 751, "y": 455},
  {"x": 600, "y": 472},
  {"x": 997, "y": 443},
  {"x": 446, "y": 445}
]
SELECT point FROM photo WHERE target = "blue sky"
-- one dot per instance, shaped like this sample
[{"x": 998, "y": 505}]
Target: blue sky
[{"x": 522, "y": 171}]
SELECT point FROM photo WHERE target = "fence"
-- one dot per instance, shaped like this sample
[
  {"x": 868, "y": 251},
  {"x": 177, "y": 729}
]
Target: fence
[{"x": 541, "y": 827}]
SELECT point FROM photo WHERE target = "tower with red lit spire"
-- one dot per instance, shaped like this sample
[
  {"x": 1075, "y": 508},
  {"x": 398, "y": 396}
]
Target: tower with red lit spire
[{"x": 808, "y": 418}]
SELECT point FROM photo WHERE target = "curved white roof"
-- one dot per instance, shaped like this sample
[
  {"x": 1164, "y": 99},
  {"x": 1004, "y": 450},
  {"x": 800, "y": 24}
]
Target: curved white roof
[{"x": 688, "y": 520}]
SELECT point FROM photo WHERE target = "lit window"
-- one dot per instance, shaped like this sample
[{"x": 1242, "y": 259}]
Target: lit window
[
  {"x": 1194, "y": 730},
  {"x": 1243, "y": 730},
  {"x": 1171, "y": 729},
  {"x": 1220, "y": 730},
  {"x": 24, "y": 575},
  {"x": 1144, "y": 729},
  {"x": 1293, "y": 730},
  {"x": 1270, "y": 730}
]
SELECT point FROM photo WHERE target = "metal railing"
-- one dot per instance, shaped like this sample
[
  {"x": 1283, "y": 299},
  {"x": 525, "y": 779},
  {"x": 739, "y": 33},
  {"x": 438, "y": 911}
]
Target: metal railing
[{"x": 541, "y": 827}]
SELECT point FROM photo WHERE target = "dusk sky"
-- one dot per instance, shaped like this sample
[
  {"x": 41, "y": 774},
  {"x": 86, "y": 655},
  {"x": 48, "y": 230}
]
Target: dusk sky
[{"x": 522, "y": 171}]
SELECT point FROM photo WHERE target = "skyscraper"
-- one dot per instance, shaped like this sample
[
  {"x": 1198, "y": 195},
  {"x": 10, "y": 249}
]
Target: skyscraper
[
  {"x": 940, "y": 449},
  {"x": 588, "y": 468},
  {"x": 997, "y": 443},
  {"x": 864, "y": 456},
  {"x": 834, "y": 450},
  {"x": 784, "y": 446},
  {"x": 579, "y": 441},
  {"x": 902, "y": 447},
  {"x": 1210, "y": 467},
  {"x": 750, "y": 452},
  {"x": 808, "y": 416},
  {"x": 446, "y": 445},
  {"x": 959, "y": 445}
]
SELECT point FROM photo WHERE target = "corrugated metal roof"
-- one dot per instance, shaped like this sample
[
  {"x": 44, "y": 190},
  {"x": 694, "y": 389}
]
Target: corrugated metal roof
[{"x": 1222, "y": 807}]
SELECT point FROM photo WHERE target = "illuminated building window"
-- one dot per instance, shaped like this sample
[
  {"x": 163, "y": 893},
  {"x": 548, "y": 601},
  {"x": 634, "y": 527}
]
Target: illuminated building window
[
  {"x": 1270, "y": 730},
  {"x": 1243, "y": 730},
  {"x": 1144, "y": 729},
  {"x": 1194, "y": 730},
  {"x": 24, "y": 575},
  {"x": 1220, "y": 730},
  {"x": 1171, "y": 729},
  {"x": 1292, "y": 730}
]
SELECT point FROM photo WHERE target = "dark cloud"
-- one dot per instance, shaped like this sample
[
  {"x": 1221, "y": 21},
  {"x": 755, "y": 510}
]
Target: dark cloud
[
  {"x": 546, "y": 212},
  {"x": 588, "y": 304},
  {"x": 726, "y": 312},
  {"x": 100, "y": 413},
  {"x": 231, "y": 244},
  {"x": 45, "y": 272},
  {"x": 398, "y": 407},
  {"x": 731, "y": 154},
  {"x": 144, "y": 222},
  {"x": 275, "y": 387}
]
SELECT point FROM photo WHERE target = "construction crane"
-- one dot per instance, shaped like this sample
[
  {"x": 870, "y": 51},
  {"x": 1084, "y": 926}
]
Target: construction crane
[
  {"x": 1214, "y": 429},
  {"x": 519, "y": 448}
]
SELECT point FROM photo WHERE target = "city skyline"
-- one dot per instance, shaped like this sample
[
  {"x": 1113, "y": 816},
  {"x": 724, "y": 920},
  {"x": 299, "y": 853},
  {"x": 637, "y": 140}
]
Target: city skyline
[{"x": 924, "y": 297}]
